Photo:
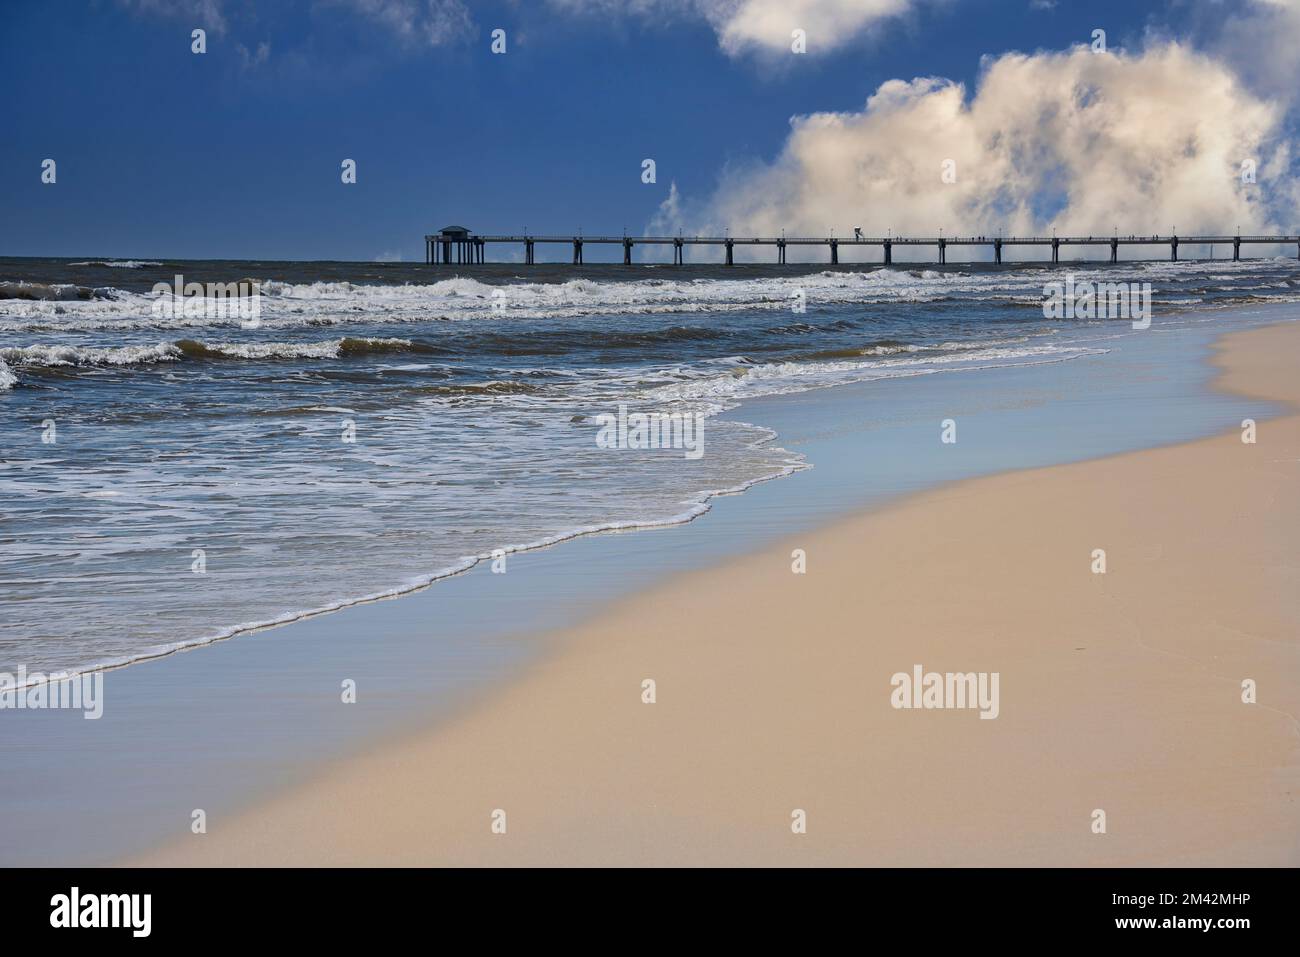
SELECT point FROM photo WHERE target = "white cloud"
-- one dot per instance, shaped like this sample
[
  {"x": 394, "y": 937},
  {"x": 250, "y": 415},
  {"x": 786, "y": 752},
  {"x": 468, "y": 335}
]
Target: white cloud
[
  {"x": 1262, "y": 40},
  {"x": 742, "y": 26},
  {"x": 415, "y": 22},
  {"x": 767, "y": 24},
  {"x": 759, "y": 25},
  {"x": 1077, "y": 140}
]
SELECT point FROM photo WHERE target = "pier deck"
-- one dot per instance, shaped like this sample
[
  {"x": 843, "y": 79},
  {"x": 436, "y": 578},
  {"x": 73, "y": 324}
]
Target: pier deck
[{"x": 461, "y": 246}]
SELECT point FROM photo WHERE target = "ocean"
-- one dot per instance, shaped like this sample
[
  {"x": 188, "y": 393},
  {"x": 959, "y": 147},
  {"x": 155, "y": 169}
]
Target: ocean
[{"x": 168, "y": 480}]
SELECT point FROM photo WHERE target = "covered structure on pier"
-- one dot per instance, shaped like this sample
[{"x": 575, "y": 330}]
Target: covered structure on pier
[{"x": 453, "y": 244}]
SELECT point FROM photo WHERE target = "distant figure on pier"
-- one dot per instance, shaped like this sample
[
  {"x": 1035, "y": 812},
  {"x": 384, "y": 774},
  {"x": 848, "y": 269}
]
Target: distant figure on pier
[{"x": 857, "y": 232}]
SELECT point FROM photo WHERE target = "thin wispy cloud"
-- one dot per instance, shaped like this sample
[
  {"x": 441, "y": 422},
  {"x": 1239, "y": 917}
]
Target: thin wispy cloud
[
  {"x": 206, "y": 14},
  {"x": 251, "y": 59},
  {"x": 742, "y": 26},
  {"x": 414, "y": 23},
  {"x": 411, "y": 23}
]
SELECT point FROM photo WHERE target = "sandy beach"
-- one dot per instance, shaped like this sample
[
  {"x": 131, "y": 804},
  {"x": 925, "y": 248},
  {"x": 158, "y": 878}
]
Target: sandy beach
[{"x": 1119, "y": 691}]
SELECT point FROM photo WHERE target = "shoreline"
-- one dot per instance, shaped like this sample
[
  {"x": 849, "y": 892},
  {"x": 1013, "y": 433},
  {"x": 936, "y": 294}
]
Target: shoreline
[
  {"x": 695, "y": 796},
  {"x": 413, "y": 586},
  {"x": 228, "y": 726},
  {"x": 702, "y": 504}
]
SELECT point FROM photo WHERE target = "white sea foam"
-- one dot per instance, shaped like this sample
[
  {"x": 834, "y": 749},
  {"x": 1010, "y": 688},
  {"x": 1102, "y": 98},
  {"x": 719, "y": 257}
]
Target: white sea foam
[
  {"x": 118, "y": 264},
  {"x": 700, "y": 507},
  {"x": 55, "y": 355},
  {"x": 287, "y": 305},
  {"x": 785, "y": 378}
]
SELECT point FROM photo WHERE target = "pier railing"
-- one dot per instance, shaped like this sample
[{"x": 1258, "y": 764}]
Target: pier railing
[{"x": 472, "y": 248}]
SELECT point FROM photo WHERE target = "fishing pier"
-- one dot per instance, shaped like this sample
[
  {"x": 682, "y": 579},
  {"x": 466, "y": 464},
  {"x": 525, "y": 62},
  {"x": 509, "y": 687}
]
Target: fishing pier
[{"x": 456, "y": 245}]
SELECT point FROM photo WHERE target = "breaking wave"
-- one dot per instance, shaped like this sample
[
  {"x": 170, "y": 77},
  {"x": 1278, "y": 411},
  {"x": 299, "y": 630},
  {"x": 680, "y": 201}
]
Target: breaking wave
[
  {"x": 118, "y": 264},
  {"x": 29, "y": 307},
  {"x": 64, "y": 356}
]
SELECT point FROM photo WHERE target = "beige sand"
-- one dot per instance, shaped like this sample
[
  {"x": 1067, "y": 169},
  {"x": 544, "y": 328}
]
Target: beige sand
[{"x": 1119, "y": 692}]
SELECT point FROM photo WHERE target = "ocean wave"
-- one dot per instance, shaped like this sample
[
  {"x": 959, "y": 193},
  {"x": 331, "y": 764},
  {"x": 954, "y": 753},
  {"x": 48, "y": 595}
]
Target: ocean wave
[
  {"x": 1252, "y": 299},
  {"x": 496, "y": 387},
  {"x": 892, "y": 347},
  {"x": 37, "y": 357},
  {"x": 324, "y": 303},
  {"x": 52, "y": 292},
  {"x": 786, "y": 377},
  {"x": 697, "y": 504},
  {"x": 883, "y": 347},
  {"x": 118, "y": 264},
  {"x": 60, "y": 356},
  {"x": 342, "y": 348}
]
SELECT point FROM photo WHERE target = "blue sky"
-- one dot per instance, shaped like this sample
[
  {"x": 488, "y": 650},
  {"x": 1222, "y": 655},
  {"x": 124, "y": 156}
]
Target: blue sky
[{"x": 236, "y": 153}]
